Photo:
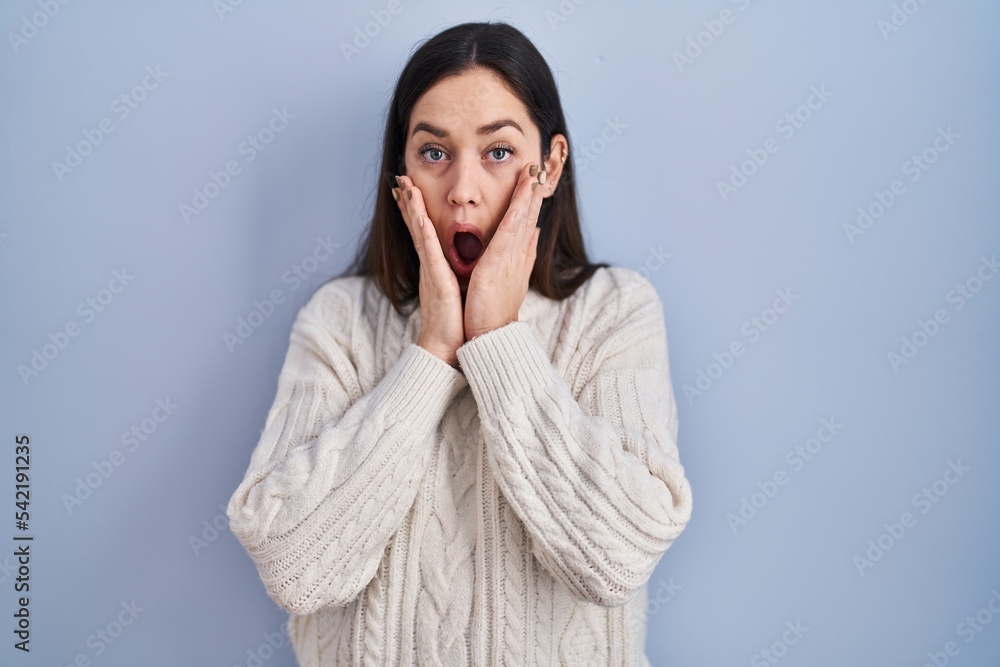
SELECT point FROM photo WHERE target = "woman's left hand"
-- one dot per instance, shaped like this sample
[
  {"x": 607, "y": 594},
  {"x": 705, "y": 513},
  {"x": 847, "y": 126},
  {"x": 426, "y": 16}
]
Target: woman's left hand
[{"x": 500, "y": 280}]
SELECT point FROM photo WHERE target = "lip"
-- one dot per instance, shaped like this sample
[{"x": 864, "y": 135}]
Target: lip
[{"x": 461, "y": 269}]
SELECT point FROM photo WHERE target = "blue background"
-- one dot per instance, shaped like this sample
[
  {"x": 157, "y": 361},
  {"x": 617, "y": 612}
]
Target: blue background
[{"x": 658, "y": 134}]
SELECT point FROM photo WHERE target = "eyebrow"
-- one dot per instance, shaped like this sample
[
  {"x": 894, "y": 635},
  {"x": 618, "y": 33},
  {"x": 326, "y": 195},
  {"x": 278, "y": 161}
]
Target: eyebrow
[{"x": 489, "y": 128}]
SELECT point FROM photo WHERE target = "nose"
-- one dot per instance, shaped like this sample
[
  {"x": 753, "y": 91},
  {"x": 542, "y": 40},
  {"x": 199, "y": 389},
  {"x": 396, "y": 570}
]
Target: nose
[{"x": 465, "y": 185}]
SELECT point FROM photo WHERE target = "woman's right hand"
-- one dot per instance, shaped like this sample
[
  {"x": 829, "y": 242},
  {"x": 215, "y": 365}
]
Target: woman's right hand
[{"x": 442, "y": 321}]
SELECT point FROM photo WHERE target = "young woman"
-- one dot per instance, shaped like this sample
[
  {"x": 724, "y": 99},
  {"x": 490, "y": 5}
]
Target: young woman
[{"x": 491, "y": 478}]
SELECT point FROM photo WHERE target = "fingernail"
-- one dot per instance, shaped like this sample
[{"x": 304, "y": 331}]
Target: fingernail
[
  {"x": 420, "y": 219},
  {"x": 395, "y": 194},
  {"x": 541, "y": 177},
  {"x": 534, "y": 185},
  {"x": 409, "y": 194},
  {"x": 533, "y": 171},
  {"x": 399, "y": 182}
]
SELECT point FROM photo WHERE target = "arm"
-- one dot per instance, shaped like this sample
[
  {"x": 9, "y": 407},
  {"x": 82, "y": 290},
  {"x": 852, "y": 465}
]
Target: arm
[
  {"x": 596, "y": 480},
  {"x": 335, "y": 472}
]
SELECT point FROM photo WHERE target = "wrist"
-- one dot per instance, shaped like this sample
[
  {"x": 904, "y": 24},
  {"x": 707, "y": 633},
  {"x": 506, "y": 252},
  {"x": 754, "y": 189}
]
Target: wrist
[
  {"x": 449, "y": 358},
  {"x": 485, "y": 330}
]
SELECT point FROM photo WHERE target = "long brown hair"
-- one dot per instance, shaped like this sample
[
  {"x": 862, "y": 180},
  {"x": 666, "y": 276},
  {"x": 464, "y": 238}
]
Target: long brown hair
[{"x": 386, "y": 253}]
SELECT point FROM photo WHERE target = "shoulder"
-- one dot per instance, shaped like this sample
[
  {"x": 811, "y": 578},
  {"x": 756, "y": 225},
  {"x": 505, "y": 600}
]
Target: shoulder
[
  {"x": 615, "y": 293},
  {"x": 614, "y": 320},
  {"x": 621, "y": 281},
  {"x": 335, "y": 304},
  {"x": 616, "y": 309}
]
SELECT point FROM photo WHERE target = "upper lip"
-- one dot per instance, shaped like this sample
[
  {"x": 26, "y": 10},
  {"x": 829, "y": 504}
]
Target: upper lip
[{"x": 457, "y": 227}]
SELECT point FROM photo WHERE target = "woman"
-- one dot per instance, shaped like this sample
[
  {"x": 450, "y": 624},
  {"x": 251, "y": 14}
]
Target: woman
[{"x": 490, "y": 478}]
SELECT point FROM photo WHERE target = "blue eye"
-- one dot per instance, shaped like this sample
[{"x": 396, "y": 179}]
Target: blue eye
[
  {"x": 502, "y": 149},
  {"x": 435, "y": 154}
]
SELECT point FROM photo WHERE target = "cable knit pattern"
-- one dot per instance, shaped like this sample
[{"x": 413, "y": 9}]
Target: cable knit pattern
[
  {"x": 406, "y": 512},
  {"x": 445, "y": 604},
  {"x": 374, "y": 619},
  {"x": 512, "y": 556}
]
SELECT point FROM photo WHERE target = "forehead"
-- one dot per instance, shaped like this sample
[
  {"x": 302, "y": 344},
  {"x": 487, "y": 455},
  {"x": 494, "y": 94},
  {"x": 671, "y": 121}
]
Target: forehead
[{"x": 463, "y": 103}]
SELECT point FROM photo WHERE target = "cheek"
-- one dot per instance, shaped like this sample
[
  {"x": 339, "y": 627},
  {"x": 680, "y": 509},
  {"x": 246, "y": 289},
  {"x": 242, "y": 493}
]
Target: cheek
[
  {"x": 502, "y": 197},
  {"x": 432, "y": 204},
  {"x": 432, "y": 193},
  {"x": 416, "y": 169}
]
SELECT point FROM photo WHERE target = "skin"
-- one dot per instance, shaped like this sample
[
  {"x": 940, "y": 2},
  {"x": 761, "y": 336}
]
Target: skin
[{"x": 469, "y": 177}]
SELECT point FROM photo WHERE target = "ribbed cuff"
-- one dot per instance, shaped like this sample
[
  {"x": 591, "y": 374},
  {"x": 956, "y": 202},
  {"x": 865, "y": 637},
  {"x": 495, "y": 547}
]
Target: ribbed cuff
[
  {"x": 420, "y": 386},
  {"x": 505, "y": 365}
]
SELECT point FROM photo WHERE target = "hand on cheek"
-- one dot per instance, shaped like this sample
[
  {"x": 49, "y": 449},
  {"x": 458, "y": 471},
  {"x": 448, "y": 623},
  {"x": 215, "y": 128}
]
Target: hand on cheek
[
  {"x": 441, "y": 323},
  {"x": 500, "y": 280}
]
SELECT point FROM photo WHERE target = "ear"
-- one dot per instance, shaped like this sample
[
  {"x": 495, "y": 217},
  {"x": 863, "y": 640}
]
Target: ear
[{"x": 558, "y": 154}]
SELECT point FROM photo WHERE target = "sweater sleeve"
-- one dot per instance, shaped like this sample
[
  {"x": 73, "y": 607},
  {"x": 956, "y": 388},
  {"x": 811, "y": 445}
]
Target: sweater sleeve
[
  {"x": 596, "y": 480},
  {"x": 335, "y": 471}
]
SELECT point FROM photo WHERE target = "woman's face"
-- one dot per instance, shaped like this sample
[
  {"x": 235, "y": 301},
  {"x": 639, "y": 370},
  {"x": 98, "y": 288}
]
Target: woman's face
[{"x": 466, "y": 143}]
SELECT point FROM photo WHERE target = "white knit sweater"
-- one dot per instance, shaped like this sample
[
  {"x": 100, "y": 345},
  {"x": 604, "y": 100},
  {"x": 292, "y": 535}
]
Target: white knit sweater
[{"x": 406, "y": 512}]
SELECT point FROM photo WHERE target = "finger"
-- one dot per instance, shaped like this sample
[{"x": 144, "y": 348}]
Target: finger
[
  {"x": 411, "y": 198},
  {"x": 400, "y": 197},
  {"x": 535, "y": 202},
  {"x": 532, "y": 205},
  {"x": 510, "y": 236},
  {"x": 514, "y": 221},
  {"x": 411, "y": 224},
  {"x": 533, "y": 248},
  {"x": 401, "y": 205},
  {"x": 412, "y": 209},
  {"x": 431, "y": 252}
]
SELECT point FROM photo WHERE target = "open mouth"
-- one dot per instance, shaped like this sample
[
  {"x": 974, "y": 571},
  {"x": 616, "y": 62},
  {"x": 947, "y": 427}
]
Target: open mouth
[
  {"x": 466, "y": 249},
  {"x": 468, "y": 246}
]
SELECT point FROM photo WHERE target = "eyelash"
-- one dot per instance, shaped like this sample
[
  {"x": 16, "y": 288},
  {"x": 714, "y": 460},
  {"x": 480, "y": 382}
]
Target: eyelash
[{"x": 504, "y": 147}]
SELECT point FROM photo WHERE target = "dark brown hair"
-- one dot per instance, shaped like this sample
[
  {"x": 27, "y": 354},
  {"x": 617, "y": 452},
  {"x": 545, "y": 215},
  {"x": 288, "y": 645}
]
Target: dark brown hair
[{"x": 387, "y": 252}]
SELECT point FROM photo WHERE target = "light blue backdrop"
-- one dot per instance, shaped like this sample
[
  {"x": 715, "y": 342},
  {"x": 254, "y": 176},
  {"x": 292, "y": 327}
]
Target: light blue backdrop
[{"x": 828, "y": 367}]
